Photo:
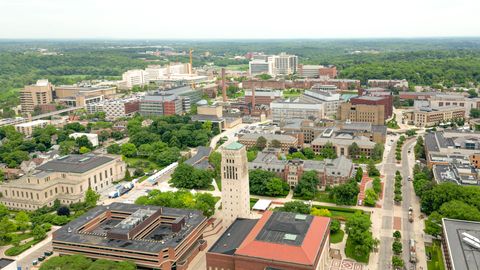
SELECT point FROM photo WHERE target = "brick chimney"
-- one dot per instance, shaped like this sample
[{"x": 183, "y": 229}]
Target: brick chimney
[{"x": 224, "y": 86}]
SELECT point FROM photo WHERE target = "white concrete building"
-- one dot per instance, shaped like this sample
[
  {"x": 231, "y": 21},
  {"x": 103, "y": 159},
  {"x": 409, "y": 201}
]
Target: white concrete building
[
  {"x": 282, "y": 64},
  {"x": 134, "y": 77},
  {"x": 92, "y": 137},
  {"x": 28, "y": 127},
  {"x": 116, "y": 108},
  {"x": 235, "y": 183},
  {"x": 295, "y": 109}
]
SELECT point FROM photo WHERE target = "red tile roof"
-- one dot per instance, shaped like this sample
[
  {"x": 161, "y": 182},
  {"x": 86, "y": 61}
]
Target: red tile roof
[{"x": 304, "y": 254}]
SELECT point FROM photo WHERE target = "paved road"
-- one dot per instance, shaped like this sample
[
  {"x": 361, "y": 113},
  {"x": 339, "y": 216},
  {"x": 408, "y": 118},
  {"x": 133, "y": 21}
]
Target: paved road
[{"x": 387, "y": 213}]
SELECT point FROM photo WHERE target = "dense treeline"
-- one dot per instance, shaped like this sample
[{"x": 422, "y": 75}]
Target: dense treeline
[{"x": 420, "y": 68}]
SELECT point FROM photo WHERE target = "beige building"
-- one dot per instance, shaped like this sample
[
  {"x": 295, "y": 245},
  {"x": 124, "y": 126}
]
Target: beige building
[
  {"x": 235, "y": 185},
  {"x": 341, "y": 141},
  {"x": 286, "y": 141},
  {"x": 428, "y": 117},
  {"x": 211, "y": 110},
  {"x": 66, "y": 178},
  {"x": 374, "y": 114},
  {"x": 79, "y": 96},
  {"x": 36, "y": 94},
  {"x": 28, "y": 127}
]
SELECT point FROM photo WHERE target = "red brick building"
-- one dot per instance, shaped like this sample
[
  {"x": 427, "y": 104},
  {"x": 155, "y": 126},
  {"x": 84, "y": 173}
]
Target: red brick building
[
  {"x": 385, "y": 100},
  {"x": 278, "y": 240}
]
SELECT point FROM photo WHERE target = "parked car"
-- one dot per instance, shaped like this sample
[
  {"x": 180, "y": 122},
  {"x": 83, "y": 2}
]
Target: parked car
[{"x": 34, "y": 262}]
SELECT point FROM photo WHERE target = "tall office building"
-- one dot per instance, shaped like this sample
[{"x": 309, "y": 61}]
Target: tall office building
[
  {"x": 284, "y": 64},
  {"x": 281, "y": 64},
  {"x": 235, "y": 185},
  {"x": 36, "y": 94}
]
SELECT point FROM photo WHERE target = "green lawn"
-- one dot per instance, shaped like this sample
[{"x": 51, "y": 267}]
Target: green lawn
[
  {"x": 322, "y": 196},
  {"x": 145, "y": 164},
  {"x": 436, "y": 262},
  {"x": 350, "y": 252},
  {"x": 337, "y": 237}
]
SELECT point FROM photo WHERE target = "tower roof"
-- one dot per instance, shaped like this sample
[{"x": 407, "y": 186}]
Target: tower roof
[{"x": 234, "y": 146}]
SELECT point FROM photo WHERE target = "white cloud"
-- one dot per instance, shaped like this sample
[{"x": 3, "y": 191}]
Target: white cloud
[{"x": 158, "y": 19}]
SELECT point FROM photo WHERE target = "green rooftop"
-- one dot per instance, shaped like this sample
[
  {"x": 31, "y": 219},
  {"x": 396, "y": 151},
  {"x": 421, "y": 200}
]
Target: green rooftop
[{"x": 234, "y": 146}]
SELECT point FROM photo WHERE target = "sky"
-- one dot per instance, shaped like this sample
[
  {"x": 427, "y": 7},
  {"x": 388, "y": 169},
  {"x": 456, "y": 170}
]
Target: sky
[{"x": 244, "y": 19}]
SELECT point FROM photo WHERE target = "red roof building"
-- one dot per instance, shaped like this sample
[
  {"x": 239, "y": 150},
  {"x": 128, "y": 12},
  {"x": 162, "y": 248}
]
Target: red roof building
[{"x": 279, "y": 240}]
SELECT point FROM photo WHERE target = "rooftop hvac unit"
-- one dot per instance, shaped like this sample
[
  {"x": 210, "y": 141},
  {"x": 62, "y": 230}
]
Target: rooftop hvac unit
[{"x": 471, "y": 242}]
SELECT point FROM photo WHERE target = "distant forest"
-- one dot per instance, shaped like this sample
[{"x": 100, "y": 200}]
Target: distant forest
[{"x": 420, "y": 61}]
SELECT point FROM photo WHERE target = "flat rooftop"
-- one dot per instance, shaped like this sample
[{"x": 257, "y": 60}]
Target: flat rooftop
[
  {"x": 159, "y": 238},
  {"x": 234, "y": 146},
  {"x": 233, "y": 236},
  {"x": 287, "y": 237},
  {"x": 4, "y": 262},
  {"x": 75, "y": 163},
  {"x": 462, "y": 254}
]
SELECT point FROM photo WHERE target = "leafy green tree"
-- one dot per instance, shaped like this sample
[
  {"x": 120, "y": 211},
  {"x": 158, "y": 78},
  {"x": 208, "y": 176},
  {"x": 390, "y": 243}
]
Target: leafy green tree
[
  {"x": 376, "y": 185},
  {"x": 72, "y": 262},
  {"x": 251, "y": 155},
  {"x": 275, "y": 144},
  {"x": 472, "y": 93},
  {"x": 3, "y": 211},
  {"x": 397, "y": 247},
  {"x": 459, "y": 210},
  {"x": 83, "y": 141},
  {"x": 296, "y": 155},
  {"x": 370, "y": 197},
  {"x": 84, "y": 150},
  {"x": 308, "y": 153},
  {"x": 186, "y": 176},
  {"x": 296, "y": 207},
  {"x": 377, "y": 151},
  {"x": 359, "y": 174},
  {"x": 320, "y": 212},
  {"x": 307, "y": 186},
  {"x": 358, "y": 229},
  {"x": 433, "y": 224},
  {"x": 168, "y": 156},
  {"x": 114, "y": 149},
  {"x": 91, "y": 198},
  {"x": 261, "y": 143},
  {"x": 215, "y": 159},
  {"x": 38, "y": 232},
  {"x": 112, "y": 265},
  {"x": 397, "y": 262},
  {"x": 129, "y": 150},
  {"x": 63, "y": 211},
  {"x": 22, "y": 220},
  {"x": 267, "y": 183},
  {"x": 334, "y": 226},
  {"x": 276, "y": 187},
  {"x": 354, "y": 150},
  {"x": 397, "y": 235},
  {"x": 67, "y": 147},
  {"x": 372, "y": 170},
  {"x": 345, "y": 194},
  {"x": 328, "y": 151}
]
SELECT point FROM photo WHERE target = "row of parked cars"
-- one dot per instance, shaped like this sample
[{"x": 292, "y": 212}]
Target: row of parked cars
[{"x": 42, "y": 258}]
